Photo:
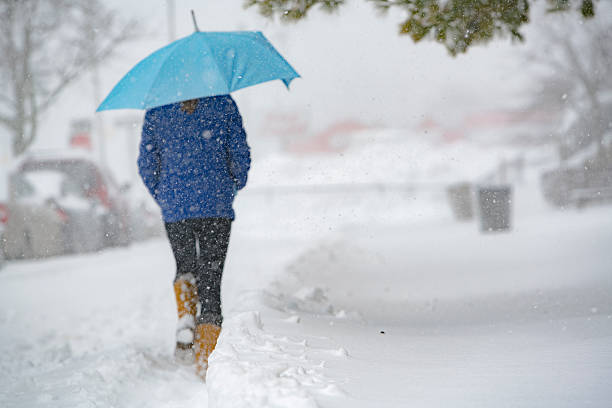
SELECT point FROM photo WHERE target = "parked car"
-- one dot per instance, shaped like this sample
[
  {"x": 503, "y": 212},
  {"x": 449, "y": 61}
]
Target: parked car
[
  {"x": 60, "y": 205},
  {"x": 580, "y": 182},
  {"x": 32, "y": 229},
  {"x": 146, "y": 221}
]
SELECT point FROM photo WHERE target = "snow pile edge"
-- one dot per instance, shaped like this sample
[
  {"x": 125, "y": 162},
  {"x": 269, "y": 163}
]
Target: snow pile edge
[{"x": 252, "y": 368}]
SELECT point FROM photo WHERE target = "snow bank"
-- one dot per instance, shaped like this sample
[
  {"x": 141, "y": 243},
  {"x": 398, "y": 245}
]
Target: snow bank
[
  {"x": 253, "y": 368},
  {"x": 388, "y": 156},
  {"x": 93, "y": 330},
  {"x": 434, "y": 273}
]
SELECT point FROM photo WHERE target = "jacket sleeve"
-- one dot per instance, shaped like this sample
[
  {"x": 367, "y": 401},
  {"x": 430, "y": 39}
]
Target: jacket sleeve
[
  {"x": 149, "y": 158},
  {"x": 238, "y": 149}
]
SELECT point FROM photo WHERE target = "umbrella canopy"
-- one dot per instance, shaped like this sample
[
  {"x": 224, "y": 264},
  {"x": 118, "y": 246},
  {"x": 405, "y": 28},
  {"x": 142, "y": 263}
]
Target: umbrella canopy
[{"x": 202, "y": 64}]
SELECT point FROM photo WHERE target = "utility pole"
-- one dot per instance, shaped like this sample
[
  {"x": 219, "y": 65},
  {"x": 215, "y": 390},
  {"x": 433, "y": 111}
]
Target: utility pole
[
  {"x": 95, "y": 81},
  {"x": 99, "y": 123},
  {"x": 171, "y": 15},
  {"x": 129, "y": 124}
]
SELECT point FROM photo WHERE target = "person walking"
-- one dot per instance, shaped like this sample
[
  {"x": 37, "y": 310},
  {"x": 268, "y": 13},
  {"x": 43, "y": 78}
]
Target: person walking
[{"x": 193, "y": 159}]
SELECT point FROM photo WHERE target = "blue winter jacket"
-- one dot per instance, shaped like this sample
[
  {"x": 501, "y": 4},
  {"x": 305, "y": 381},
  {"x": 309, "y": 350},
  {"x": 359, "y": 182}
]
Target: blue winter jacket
[{"x": 192, "y": 164}]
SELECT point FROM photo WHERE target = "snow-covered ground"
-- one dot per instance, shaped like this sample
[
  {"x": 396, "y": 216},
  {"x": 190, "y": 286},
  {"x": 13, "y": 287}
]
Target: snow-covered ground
[
  {"x": 428, "y": 314},
  {"x": 334, "y": 299},
  {"x": 92, "y": 331}
]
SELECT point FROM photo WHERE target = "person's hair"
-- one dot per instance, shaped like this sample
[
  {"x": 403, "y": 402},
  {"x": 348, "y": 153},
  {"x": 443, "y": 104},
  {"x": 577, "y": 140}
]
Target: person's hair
[{"x": 189, "y": 106}]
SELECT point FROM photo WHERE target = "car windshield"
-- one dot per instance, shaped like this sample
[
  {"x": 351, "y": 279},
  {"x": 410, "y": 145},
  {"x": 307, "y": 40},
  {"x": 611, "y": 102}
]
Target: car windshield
[
  {"x": 39, "y": 186},
  {"x": 44, "y": 180},
  {"x": 79, "y": 177}
]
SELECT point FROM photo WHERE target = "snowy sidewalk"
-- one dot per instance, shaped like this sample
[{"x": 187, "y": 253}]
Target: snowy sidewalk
[
  {"x": 520, "y": 319},
  {"x": 430, "y": 316},
  {"x": 92, "y": 331}
]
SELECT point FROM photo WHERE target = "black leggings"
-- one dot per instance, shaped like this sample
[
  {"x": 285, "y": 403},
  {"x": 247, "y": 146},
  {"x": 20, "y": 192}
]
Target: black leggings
[{"x": 200, "y": 246}]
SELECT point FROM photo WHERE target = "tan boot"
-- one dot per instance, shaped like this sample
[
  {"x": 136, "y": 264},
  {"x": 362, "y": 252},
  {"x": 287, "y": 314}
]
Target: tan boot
[
  {"x": 186, "y": 304},
  {"x": 206, "y": 336}
]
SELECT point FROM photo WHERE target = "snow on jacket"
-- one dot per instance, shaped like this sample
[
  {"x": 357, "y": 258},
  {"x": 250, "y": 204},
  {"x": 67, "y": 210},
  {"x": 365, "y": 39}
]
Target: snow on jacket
[{"x": 192, "y": 164}]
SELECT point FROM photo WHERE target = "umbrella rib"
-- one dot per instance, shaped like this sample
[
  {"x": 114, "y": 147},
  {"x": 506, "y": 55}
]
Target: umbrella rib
[
  {"x": 279, "y": 56},
  {"x": 162, "y": 65},
  {"x": 228, "y": 90}
]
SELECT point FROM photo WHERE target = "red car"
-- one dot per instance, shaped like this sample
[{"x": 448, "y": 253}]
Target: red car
[{"x": 82, "y": 198}]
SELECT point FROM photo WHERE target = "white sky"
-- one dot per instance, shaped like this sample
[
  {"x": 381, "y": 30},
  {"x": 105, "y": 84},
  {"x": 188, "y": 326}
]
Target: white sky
[{"x": 353, "y": 64}]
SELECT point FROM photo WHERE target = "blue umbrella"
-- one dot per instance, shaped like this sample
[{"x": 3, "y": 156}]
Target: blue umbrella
[{"x": 202, "y": 64}]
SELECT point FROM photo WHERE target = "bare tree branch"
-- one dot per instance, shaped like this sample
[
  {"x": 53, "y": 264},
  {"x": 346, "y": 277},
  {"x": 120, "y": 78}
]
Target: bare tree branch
[
  {"x": 6, "y": 121},
  {"x": 582, "y": 65},
  {"x": 45, "y": 48}
]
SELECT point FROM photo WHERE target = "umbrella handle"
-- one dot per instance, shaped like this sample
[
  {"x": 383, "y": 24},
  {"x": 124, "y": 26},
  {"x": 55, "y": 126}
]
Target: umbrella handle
[{"x": 195, "y": 23}]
